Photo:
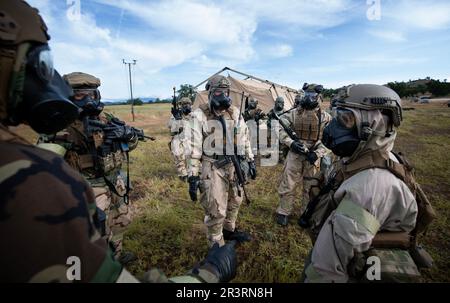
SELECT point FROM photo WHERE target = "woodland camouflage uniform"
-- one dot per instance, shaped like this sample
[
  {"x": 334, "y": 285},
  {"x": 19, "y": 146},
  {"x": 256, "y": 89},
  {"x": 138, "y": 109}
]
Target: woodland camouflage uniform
[
  {"x": 48, "y": 211},
  {"x": 102, "y": 171}
]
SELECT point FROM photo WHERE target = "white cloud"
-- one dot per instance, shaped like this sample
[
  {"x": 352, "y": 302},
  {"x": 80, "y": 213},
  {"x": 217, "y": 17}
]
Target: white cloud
[
  {"x": 207, "y": 23},
  {"x": 423, "y": 14},
  {"x": 280, "y": 51},
  {"x": 389, "y": 36}
]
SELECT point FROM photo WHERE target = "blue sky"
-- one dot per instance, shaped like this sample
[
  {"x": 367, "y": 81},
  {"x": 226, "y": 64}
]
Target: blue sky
[{"x": 332, "y": 42}]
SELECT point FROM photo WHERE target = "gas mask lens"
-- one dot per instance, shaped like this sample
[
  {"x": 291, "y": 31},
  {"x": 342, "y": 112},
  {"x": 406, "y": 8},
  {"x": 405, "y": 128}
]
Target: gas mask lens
[
  {"x": 41, "y": 60},
  {"x": 79, "y": 94},
  {"x": 345, "y": 118}
]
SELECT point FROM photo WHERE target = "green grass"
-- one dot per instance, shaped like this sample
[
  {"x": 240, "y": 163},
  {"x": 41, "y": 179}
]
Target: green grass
[{"x": 167, "y": 231}]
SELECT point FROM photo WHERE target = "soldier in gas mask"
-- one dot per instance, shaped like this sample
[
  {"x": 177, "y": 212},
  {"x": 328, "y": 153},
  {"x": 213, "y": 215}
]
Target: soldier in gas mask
[
  {"x": 179, "y": 145},
  {"x": 372, "y": 205},
  {"x": 302, "y": 165},
  {"x": 48, "y": 216},
  {"x": 87, "y": 147},
  {"x": 220, "y": 194}
]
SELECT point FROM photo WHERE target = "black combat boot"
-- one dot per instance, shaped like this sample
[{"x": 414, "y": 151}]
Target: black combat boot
[
  {"x": 239, "y": 236},
  {"x": 282, "y": 220}
]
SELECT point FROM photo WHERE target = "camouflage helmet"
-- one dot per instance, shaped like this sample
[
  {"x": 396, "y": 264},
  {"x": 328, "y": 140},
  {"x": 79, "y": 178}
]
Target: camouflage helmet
[
  {"x": 82, "y": 80},
  {"x": 371, "y": 97},
  {"x": 31, "y": 90},
  {"x": 19, "y": 24},
  {"x": 313, "y": 88},
  {"x": 218, "y": 81},
  {"x": 184, "y": 101},
  {"x": 279, "y": 99}
]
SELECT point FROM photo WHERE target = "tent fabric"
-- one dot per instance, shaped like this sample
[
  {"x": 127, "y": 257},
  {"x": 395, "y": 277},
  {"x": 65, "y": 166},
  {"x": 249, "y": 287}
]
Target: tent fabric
[{"x": 265, "y": 93}]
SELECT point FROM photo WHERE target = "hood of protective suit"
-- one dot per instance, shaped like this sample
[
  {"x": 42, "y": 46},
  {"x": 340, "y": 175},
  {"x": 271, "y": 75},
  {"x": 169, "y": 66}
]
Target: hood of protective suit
[{"x": 380, "y": 126}]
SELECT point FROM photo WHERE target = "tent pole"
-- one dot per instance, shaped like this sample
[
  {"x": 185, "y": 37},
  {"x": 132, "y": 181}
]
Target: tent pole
[
  {"x": 259, "y": 79},
  {"x": 222, "y": 70}
]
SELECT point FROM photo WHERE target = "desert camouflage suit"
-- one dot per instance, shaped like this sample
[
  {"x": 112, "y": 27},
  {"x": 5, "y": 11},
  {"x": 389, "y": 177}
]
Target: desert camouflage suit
[
  {"x": 180, "y": 144},
  {"x": 220, "y": 195},
  {"x": 110, "y": 186},
  {"x": 308, "y": 125},
  {"x": 348, "y": 218}
]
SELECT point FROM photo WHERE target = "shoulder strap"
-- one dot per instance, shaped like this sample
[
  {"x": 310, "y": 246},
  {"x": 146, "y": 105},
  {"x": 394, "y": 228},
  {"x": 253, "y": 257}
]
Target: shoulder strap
[
  {"x": 375, "y": 159},
  {"x": 320, "y": 124}
]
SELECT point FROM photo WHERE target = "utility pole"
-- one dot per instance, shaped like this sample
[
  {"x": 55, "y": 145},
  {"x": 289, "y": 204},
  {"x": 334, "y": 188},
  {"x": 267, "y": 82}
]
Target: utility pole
[{"x": 131, "y": 86}]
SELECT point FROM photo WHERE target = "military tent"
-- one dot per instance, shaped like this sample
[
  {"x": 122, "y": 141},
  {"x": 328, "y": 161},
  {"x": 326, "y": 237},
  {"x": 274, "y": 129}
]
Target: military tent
[{"x": 263, "y": 90}]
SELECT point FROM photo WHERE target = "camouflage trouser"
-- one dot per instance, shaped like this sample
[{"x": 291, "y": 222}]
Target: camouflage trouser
[
  {"x": 220, "y": 200},
  {"x": 297, "y": 170},
  {"x": 179, "y": 154},
  {"x": 117, "y": 212}
]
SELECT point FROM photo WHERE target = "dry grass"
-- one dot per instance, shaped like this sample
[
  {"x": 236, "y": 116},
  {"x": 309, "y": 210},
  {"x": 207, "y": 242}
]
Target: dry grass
[{"x": 168, "y": 231}]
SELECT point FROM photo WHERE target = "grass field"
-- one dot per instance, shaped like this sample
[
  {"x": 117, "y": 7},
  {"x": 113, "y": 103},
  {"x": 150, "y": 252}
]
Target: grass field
[{"x": 168, "y": 232}]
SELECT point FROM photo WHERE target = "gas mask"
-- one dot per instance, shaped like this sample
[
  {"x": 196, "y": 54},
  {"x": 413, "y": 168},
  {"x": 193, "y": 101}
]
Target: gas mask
[
  {"x": 279, "y": 106},
  {"x": 186, "y": 109},
  {"x": 341, "y": 134},
  {"x": 252, "y": 104},
  {"x": 219, "y": 99},
  {"x": 88, "y": 100},
  {"x": 310, "y": 101},
  {"x": 44, "y": 100}
]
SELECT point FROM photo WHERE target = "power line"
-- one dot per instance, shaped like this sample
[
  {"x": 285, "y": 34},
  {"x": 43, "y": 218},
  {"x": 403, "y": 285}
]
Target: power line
[{"x": 131, "y": 85}]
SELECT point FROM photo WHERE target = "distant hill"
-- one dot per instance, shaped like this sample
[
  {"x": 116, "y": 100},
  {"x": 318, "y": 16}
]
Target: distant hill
[{"x": 107, "y": 101}]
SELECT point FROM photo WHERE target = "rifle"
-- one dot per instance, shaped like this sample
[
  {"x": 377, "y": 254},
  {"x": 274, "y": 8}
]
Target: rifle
[
  {"x": 289, "y": 110},
  {"x": 117, "y": 131},
  {"x": 234, "y": 159},
  {"x": 117, "y": 136},
  {"x": 288, "y": 130},
  {"x": 175, "y": 110}
]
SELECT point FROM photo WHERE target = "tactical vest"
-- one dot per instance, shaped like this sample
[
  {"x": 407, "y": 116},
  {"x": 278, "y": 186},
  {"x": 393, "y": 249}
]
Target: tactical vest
[
  {"x": 86, "y": 154},
  {"x": 308, "y": 124},
  {"x": 210, "y": 116},
  {"x": 402, "y": 170},
  {"x": 399, "y": 255}
]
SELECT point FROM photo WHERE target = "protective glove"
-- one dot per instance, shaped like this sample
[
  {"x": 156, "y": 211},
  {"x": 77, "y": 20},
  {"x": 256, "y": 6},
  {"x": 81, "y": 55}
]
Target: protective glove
[
  {"x": 176, "y": 113},
  {"x": 311, "y": 157},
  {"x": 194, "y": 182},
  {"x": 252, "y": 169},
  {"x": 298, "y": 148},
  {"x": 223, "y": 260}
]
